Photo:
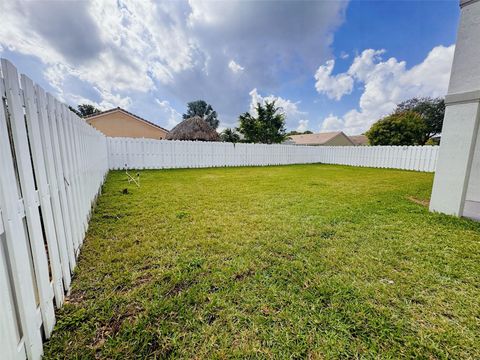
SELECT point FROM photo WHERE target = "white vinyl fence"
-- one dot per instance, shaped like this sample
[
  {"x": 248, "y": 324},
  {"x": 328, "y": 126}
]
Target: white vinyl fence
[
  {"x": 52, "y": 166},
  {"x": 162, "y": 154}
]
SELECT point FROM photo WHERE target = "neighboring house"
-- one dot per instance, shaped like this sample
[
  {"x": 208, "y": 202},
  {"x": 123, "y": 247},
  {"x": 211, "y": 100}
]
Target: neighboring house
[
  {"x": 337, "y": 138},
  {"x": 121, "y": 123},
  {"x": 359, "y": 140}
]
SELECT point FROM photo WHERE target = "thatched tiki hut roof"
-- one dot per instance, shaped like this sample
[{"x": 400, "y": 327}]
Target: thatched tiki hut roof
[{"x": 194, "y": 128}]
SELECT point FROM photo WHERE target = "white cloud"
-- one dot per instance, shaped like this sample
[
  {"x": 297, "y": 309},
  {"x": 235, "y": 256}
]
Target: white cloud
[
  {"x": 110, "y": 100},
  {"x": 344, "y": 55},
  {"x": 131, "y": 50},
  {"x": 302, "y": 125},
  {"x": 17, "y": 37},
  {"x": 332, "y": 123},
  {"x": 236, "y": 68},
  {"x": 387, "y": 83},
  {"x": 368, "y": 63},
  {"x": 333, "y": 86},
  {"x": 172, "y": 116},
  {"x": 145, "y": 50}
]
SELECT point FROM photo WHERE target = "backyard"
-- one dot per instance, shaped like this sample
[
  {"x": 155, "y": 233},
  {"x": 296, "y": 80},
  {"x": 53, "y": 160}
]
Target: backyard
[{"x": 302, "y": 261}]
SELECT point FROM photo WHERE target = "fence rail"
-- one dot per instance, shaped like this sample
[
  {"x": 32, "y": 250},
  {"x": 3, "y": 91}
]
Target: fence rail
[
  {"x": 161, "y": 154},
  {"x": 52, "y": 166}
]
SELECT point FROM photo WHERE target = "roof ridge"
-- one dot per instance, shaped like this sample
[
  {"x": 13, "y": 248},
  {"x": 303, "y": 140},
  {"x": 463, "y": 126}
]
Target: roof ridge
[
  {"x": 320, "y": 137},
  {"x": 118, "y": 108},
  {"x": 320, "y": 133}
]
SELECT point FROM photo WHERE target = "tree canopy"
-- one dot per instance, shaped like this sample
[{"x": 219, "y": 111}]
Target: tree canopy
[
  {"x": 204, "y": 110},
  {"x": 401, "y": 128},
  {"x": 268, "y": 127},
  {"x": 85, "y": 110},
  {"x": 431, "y": 111},
  {"x": 294, "y": 132},
  {"x": 229, "y": 135}
]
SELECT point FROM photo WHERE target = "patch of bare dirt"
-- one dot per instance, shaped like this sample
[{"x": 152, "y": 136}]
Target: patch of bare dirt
[
  {"x": 76, "y": 297},
  {"x": 243, "y": 275},
  {"x": 417, "y": 201},
  {"x": 179, "y": 287},
  {"x": 111, "y": 328}
]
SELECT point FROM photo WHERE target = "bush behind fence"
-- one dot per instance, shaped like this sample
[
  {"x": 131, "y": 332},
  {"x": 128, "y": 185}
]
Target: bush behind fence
[{"x": 163, "y": 154}]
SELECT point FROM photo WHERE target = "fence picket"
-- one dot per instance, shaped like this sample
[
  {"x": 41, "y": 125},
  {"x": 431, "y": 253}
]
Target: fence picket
[
  {"x": 52, "y": 184},
  {"x": 158, "y": 154},
  {"x": 53, "y": 165},
  {"x": 30, "y": 195},
  {"x": 37, "y": 150},
  {"x": 15, "y": 235},
  {"x": 10, "y": 342}
]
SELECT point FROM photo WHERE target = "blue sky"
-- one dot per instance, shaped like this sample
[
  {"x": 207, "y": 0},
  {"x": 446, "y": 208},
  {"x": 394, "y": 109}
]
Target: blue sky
[{"x": 331, "y": 65}]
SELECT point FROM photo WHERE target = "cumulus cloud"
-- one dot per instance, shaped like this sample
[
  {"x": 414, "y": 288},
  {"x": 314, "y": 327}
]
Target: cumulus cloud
[
  {"x": 116, "y": 47},
  {"x": 333, "y": 86},
  {"x": 236, "y": 68},
  {"x": 110, "y": 100},
  {"x": 332, "y": 123},
  {"x": 385, "y": 84},
  {"x": 172, "y": 49},
  {"x": 50, "y": 23},
  {"x": 172, "y": 116},
  {"x": 302, "y": 125}
]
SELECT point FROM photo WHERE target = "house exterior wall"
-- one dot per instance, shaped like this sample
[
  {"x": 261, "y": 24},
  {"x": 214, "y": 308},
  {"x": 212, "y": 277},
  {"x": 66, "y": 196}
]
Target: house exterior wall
[
  {"x": 359, "y": 140},
  {"x": 119, "y": 124},
  {"x": 472, "y": 197},
  {"x": 338, "y": 140},
  {"x": 455, "y": 187}
]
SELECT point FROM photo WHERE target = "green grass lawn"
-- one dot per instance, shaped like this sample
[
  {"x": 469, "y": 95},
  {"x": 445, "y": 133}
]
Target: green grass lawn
[{"x": 306, "y": 261}]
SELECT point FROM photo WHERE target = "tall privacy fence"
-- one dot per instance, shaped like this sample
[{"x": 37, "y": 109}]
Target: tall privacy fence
[
  {"x": 52, "y": 165},
  {"x": 162, "y": 154}
]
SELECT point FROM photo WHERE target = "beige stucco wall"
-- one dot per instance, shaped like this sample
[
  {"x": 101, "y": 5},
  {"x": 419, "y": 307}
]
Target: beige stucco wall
[
  {"x": 339, "y": 140},
  {"x": 119, "y": 124}
]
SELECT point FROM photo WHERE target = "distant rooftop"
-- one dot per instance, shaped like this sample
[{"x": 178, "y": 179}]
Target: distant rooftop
[
  {"x": 359, "y": 140},
  {"x": 316, "y": 139}
]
